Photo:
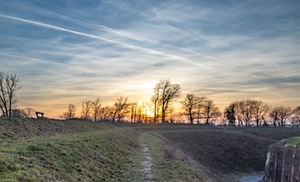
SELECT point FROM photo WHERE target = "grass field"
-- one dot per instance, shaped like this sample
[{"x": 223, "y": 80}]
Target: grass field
[
  {"x": 65, "y": 151},
  {"x": 229, "y": 151},
  {"x": 53, "y": 150}
]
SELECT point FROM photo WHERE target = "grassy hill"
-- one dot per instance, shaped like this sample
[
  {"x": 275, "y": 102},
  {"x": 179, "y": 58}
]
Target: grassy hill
[
  {"x": 49, "y": 150},
  {"x": 54, "y": 150},
  {"x": 229, "y": 152}
]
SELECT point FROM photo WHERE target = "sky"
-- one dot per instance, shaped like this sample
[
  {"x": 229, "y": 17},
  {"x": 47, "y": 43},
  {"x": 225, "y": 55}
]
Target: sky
[{"x": 68, "y": 51}]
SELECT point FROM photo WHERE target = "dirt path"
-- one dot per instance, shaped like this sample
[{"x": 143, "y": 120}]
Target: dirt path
[{"x": 146, "y": 165}]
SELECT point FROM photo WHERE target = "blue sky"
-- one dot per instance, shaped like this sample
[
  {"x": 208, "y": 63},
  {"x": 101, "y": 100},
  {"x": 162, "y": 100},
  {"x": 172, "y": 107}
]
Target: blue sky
[{"x": 67, "y": 51}]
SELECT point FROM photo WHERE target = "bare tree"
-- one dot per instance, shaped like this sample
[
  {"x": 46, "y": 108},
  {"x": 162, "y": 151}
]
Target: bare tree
[
  {"x": 246, "y": 107},
  {"x": 296, "y": 116},
  {"x": 121, "y": 108},
  {"x": 133, "y": 110},
  {"x": 28, "y": 112},
  {"x": 17, "y": 113},
  {"x": 106, "y": 113},
  {"x": 191, "y": 104},
  {"x": 86, "y": 109},
  {"x": 246, "y": 112},
  {"x": 139, "y": 114},
  {"x": 230, "y": 114},
  {"x": 155, "y": 100},
  {"x": 170, "y": 111},
  {"x": 210, "y": 111},
  {"x": 169, "y": 92},
  {"x": 274, "y": 114},
  {"x": 96, "y": 106},
  {"x": 283, "y": 114},
  {"x": 238, "y": 113},
  {"x": 8, "y": 87},
  {"x": 70, "y": 113},
  {"x": 199, "y": 109},
  {"x": 146, "y": 110},
  {"x": 260, "y": 109},
  {"x": 164, "y": 93}
]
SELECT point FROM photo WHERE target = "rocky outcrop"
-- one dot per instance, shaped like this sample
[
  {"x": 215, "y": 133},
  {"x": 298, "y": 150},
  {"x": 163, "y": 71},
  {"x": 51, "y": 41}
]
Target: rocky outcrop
[{"x": 283, "y": 162}]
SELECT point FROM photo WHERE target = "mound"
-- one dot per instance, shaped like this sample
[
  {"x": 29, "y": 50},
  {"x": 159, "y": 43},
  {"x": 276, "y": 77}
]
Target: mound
[
  {"x": 79, "y": 151},
  {"x": 223, "y": 151}
]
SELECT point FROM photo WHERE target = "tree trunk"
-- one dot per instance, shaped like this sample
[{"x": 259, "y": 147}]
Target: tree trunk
[{"x": 191, "y": 118}]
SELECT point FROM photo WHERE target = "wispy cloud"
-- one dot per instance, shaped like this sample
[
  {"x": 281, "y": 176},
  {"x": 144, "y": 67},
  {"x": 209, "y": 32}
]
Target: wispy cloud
[
  {"x": 146, "y": 50},
  {"x": 224, "y": 50}
]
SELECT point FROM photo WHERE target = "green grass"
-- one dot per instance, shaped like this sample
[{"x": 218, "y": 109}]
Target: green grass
[
  {"x": 223, "y": 151},
  {"x": 88, "y": 156},
  {"x": 294, "y": 141},
  {"x": 17, "y": 128},
  {"x": 278, "y": 133},
  {"x": 99, "y": 154},
  {"x": 54, "y": 150},
  {"x": 168, "y": 164},
  {"x": 229, "y": 151}
]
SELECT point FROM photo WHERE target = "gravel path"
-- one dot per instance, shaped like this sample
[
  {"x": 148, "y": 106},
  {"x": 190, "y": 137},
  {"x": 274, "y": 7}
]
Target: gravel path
[{"x": 147, "y": 164}]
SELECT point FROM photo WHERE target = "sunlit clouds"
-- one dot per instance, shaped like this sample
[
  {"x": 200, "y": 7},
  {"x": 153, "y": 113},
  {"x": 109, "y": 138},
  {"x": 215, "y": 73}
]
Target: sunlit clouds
[{"x": 69, "y": 51}]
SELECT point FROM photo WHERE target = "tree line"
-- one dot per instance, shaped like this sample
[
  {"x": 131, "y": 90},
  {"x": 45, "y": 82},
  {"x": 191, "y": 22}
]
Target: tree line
[
  {"x": 195, "y": 109},
  {"x": 248, "y": 112}
]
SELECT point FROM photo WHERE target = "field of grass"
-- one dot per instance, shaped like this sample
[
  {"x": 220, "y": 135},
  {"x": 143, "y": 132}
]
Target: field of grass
[
  {"x": 293, "y": 142},
  {"x": 53, "y": 150},
  {"x": 96, "y": 152},
  {"x": 17, "y": 128},
  {"x": 223, "y": 151},
  {"x": 278, "y": 133},
  {"x": 230, "y": 150}
]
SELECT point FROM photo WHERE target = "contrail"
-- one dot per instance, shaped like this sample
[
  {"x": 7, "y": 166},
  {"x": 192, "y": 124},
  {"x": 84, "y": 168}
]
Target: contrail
[
  {"x": 126, "y": 45},
  {"x": 31, "y": 59}
]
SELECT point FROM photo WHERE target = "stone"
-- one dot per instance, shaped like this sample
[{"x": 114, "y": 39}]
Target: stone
[{"x": 283, "y": 161}]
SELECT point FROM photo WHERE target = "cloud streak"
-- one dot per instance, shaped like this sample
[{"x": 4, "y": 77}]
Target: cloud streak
[
  {"x": 226, "y": 50},
  {"x": 145, "y": 50}
]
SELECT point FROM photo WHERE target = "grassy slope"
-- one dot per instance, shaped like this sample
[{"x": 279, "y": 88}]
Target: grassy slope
[
  {"x": 14, "y": 129},
  {"x": 294, "y": 142},
  {"x": 169, "y": 164},
  {"x": 223, "y": 151},
  {"x": 230, "y": 151},
  {"x": 77, "y": 151},
  {"x": 278, "y": 133},
  {"x": 50, "y": 150}
]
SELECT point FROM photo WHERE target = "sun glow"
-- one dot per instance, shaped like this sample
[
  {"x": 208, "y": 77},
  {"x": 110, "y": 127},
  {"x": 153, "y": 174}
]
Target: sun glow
[{"x": 146, "y": 108}]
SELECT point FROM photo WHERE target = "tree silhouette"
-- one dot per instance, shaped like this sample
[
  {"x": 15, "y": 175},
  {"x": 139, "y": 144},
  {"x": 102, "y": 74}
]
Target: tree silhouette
[
  {"x": 164, "y": 93},
  {"x": 260, "y": 109},
  {"x": 133, "y": 110},
  {"x": 230, "y": 114},
  {"x": 283, "y": 114},
  {"x": 247, "y": 111},
  {"x": 70, "y": 113},
  {"x": 121, "y": 108},
  {"x": 155, "y": 99},
  {"x": 274, "y": 115},
  {"x": 96, "y": 106},
  {"x": 8, "y": 87},
  {"x": 28, "y": 112},
  {"x": 191, "y": 103},
  {"x": 86, "y": 109},
  {"x": 210, "y": 111},
  {"x": 106, "y": 113},
  {"x": 296, "y": 116}
]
